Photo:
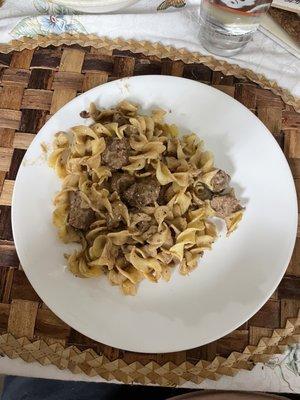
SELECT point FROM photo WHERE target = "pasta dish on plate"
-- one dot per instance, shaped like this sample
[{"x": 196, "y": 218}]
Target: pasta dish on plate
[{"x": 137, "y": 196}]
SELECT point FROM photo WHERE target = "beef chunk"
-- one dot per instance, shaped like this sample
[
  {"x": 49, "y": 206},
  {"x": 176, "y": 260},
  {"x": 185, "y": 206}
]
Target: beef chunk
[
  {"x": 120, "y": 181},
  {"x": 116, "y": 154},
  {"x": 79, "y": 216},
  {"x": 84, "y": 114},
  {"x": 225, "y": 205},
  {"x": 220, "y": 181},
  {"x": 203, "y": 192},
  {"x": 120, "y": 119},
  {"x": 142, "y": 193},
  {"x": 130, "y": 130},
  {"x": 162, "y": 198}
]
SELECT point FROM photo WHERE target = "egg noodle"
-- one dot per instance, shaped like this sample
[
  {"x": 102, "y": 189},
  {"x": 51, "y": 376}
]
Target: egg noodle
[{"x": 150, "y": 241}]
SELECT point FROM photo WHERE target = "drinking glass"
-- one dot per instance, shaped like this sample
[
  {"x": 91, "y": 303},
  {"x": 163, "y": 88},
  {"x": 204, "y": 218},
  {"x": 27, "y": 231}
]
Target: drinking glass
[{"x": 226, "y": 26}]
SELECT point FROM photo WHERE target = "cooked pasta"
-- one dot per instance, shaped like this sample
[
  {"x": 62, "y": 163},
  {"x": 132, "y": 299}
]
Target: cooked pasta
[{"x": 137, "y": 197}]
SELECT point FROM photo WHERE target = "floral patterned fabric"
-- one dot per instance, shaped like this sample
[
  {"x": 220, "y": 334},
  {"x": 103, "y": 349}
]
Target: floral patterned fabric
[
  {"x": 168, "y": 22},
  {"x": 54, "y": 18}
]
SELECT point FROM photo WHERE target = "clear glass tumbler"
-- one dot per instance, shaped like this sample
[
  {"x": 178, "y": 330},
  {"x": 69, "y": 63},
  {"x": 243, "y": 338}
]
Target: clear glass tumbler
[{"x": 226, "y": 26}]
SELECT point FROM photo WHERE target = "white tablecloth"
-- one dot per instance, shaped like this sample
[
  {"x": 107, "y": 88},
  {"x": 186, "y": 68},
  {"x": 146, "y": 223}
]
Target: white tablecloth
[{"x": 176, "y": 27}]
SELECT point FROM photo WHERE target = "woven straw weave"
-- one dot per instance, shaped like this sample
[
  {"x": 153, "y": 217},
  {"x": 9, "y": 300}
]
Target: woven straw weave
[{"x": 34, "y": 84}]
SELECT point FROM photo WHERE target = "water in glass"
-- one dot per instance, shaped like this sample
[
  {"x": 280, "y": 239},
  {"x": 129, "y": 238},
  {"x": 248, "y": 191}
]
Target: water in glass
[{"x": 226, "y": 26}]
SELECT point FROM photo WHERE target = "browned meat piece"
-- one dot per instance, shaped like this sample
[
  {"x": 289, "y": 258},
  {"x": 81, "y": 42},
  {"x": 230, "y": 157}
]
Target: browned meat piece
[
  {"x": 130, "y": 130},
  {"x": 162, "y": 198},
  {"x": 203, "y": 193},
  {"x": 115, "y": 220},
  {"x": 220, "y": 181},
  {"x": 79, "y": 217},
  {"x": 116, "y": 154},
  {"x": 84, "y": 114},
  {"x": 142, "y": 193},
  {"x": 120, "y": 119},
  {"x": 120, "y": 181},
  {"x": 225, "y": 205}
]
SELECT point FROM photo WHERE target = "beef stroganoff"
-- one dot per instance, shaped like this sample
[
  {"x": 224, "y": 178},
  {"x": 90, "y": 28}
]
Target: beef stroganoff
[{"x": 137, "y": 196}]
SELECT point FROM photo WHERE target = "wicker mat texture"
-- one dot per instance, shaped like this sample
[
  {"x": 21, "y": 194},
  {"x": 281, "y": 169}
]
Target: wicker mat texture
[{"x": 34, "y": 84}]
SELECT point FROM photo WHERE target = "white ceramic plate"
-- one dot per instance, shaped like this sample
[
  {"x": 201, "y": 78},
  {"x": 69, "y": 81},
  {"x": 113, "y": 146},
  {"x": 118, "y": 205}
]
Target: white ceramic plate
[
  {"x": 96, "y": 6},
  {"x": 232, "y": 281}
]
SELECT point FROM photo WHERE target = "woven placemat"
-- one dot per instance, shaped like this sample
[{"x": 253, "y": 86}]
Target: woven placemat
[
  {"x": 151, "y": 49},
  {"x": 34, "y": 84}
]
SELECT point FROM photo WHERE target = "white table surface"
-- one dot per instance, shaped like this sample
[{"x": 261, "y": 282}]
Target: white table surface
[{"x": 281, "y": 374}]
